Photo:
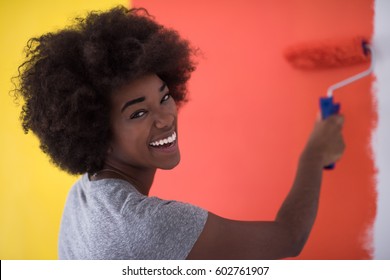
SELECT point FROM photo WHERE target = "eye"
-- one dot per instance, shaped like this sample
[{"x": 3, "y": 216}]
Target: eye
[
  {"x": 138, "y": 114},
  {"x": 166, "y": 97}
]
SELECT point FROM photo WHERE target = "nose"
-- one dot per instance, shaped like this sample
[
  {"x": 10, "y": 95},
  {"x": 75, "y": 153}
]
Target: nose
[{"x": 163, "y": 120}]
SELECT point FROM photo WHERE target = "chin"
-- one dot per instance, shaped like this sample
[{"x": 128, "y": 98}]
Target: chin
[{"x": 171, "y": 165}]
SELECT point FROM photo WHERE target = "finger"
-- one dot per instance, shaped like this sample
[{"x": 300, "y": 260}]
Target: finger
[
  {"x": 340, "y": 119},
  {"x": 337, "y": 120}
]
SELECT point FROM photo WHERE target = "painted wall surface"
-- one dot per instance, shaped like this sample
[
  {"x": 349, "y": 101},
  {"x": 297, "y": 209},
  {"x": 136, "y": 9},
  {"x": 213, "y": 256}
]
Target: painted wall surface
[
  {"x": 382, "y": 134},
  {"x": 250, "y": 114},
  {"x": 241, "y": 133},
  {"x": 32, "y": 191}
]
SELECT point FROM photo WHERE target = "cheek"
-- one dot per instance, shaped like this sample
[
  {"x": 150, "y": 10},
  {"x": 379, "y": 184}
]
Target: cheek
[
  {"x": 174, "y": 107},
  {"x": 130, "y": 141}
]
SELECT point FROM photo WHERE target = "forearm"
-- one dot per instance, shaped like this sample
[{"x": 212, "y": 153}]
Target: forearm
[
  {"x": 299, "y": 210},
  {"x": 286, "y": 236}
]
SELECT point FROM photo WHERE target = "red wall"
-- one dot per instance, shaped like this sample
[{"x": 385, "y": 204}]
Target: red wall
[{"x": 250, "y": 114}]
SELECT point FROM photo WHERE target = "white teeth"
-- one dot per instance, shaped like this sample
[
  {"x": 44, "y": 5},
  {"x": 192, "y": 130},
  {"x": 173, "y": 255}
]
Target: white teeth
[{"x": 167, "y": 140}]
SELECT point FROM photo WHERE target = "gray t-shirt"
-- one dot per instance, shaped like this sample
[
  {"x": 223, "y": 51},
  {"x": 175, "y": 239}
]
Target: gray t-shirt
[{"x": 109, "y": 219}]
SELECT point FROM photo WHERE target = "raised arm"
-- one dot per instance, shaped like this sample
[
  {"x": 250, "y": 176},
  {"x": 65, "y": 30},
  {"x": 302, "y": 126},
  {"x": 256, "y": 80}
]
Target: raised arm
[{"x": 287, "y": 234}]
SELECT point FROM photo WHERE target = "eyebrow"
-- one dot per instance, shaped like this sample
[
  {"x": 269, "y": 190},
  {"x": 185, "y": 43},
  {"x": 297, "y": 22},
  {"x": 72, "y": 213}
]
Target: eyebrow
[
  {"x": 140, "y": 99},
  {"x": 132, "y": 102},
  {"x": 164, "y": 85}
]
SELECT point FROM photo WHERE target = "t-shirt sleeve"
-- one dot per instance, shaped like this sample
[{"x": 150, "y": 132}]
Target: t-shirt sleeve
[{"x": 161, "y": 229}]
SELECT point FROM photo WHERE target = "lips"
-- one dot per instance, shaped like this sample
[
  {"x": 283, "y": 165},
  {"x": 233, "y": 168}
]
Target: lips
[
  {"x": 166, "y": 144},
  {"x": 164, "y": 141}
]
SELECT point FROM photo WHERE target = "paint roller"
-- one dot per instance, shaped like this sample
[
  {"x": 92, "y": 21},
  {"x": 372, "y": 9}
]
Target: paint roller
[{"x": 332, "y": 54}]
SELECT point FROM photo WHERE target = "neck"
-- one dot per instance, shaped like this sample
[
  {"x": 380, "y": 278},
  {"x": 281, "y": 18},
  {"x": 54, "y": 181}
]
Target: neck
[{"x": 141, "y": 179}]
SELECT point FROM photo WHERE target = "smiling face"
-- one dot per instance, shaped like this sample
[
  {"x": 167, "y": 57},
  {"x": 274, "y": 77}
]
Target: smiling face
[{"x": 144, "y": 126}]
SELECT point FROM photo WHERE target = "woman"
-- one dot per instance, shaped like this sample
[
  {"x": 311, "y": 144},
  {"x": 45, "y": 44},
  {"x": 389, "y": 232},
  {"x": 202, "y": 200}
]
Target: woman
[{"x": 102, "y": 97}]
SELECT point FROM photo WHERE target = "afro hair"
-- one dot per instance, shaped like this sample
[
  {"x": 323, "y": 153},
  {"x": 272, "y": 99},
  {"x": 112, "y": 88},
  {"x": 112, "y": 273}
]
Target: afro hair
[{"x": 68, "y": 77}]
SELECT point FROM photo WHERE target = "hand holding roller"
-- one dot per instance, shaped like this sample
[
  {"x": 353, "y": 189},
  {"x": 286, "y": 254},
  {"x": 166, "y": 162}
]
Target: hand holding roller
[{"x": 331, "y": 54}]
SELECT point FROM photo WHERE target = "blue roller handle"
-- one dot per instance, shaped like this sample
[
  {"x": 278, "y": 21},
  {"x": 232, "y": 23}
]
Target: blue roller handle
[{"x": 328, "y": 108}]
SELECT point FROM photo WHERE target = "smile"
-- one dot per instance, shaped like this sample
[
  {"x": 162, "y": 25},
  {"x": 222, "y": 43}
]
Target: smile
[{"x": 166, "y": 142}]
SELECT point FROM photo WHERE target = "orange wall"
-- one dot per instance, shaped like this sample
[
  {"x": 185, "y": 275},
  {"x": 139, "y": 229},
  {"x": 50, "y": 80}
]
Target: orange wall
[{"x": 250, "y": 114}]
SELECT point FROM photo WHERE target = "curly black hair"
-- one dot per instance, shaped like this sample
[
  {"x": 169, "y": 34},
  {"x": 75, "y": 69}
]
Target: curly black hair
[{"x": 68, "y": 77}]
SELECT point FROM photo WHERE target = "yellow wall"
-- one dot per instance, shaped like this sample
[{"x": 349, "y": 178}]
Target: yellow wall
[{"x": 32, "y": 191}]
